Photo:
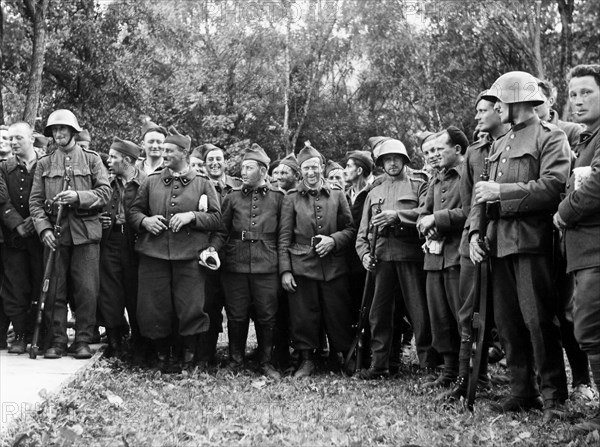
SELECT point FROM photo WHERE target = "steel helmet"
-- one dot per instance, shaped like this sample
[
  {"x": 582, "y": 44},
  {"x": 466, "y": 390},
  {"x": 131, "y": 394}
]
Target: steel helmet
[
  {"x": 516, "y": 86},
  {"x": 61, "y": 117},
  {"x": 390, "y": 146}
]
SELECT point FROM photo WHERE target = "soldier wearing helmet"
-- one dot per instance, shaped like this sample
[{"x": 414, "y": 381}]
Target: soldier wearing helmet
[
  {"x": 76, "y": 269},
  {"x": 528, "y": 170},
  {"x": 393, "y": 206}
]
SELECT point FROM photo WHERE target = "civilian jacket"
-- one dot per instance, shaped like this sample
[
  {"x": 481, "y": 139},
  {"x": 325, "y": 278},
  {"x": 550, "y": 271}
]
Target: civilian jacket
[
  {"x": 166, "y": 195},
  {"x": 306, "y": 213},
  {"x": 80, "y": 224}
]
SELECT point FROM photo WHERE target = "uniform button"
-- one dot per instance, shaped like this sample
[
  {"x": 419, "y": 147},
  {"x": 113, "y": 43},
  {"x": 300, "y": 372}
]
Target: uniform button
[
  {"x": 255, "y": 199},
  {"x": 20, "y": 189},
  {"x": 499, "y": 174},
  {"x": 113, "y": 206},
  {"x": 172, "y": 204},
  {"x": 68, "y": 158},
  {"x": 320, "y": 226},
  {"x": 319, "y": 217},
  {"x": 512, "y": 137},
  {"x": 504, "y": 160},
  {"x": 171, "y": 214},
  {"x": 568, "y": 185},
  {"x": 21, "y": 206},
  {"x": 22, "y": 179},
  {"x": 443, "y": 200},
  {"x": 174, "y": 196},
  {"x": 443, "y": 190},
  {"x": 317, "y": 199},
  {"x": 254, "y": 215},
  {"x": 177, "y": 187},
  {"x": 254, "y": 207},
  {"x": 253, "y": 223},
  {"x": 508, "y": 148},
  {"x": 318, "y": 208}
]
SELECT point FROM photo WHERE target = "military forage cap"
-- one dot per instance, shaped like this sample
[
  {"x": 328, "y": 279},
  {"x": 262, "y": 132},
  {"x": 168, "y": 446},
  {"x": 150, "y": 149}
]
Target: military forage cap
[
  {"x": 457, "y": 136},
  {"x": 292, "y": 162},
  {"x": 183, "y": 141},
  {"x": 84, "y": 135},
  {"x": 126, "y": 147},
  {"x": 40, "y": 141},
  {"x": 257, "y": 153},
  {"x": 307, "y": 153},
  {"x": 149, "y": 126},
  {"x": 197, "y": 153},
  {"x": 206, "y": 148},
  {"x": 362, "y": 159},
  {"x": 331, "y": 166}
]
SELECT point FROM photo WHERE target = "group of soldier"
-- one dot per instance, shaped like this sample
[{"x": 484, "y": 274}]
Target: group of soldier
[{"x": 172, "y": 239}]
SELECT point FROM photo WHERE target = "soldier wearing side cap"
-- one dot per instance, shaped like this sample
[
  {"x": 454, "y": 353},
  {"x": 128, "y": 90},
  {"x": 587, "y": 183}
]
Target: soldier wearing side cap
[
  {"x": 441, "y": 222},
  {"x": 529, "y": 167},
  {"x": 197, "y": 160},
  {"x": 84, "y": 139},
  {"x": 249, "y": 272},
  {"x": 173, "y": 213},
  {"x": 22, "y": 251},
  {"x": 399, "y": 257},
  {"x": 40, "y": 144},
  {"x": 288, "y": 173},
  {"x": 77, "y": 269},
  {"x": 315, "y": 233},
  {"x": 118, "y": 260},
  {"x": 334, "y": 173},
  {"x": 153, "y": 137}
]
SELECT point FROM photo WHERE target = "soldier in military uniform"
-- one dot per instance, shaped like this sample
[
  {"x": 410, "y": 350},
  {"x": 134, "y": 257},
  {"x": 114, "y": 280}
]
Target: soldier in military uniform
[
  {"x": 118, "y": 260},
  {"x": 287, "y": 173},
  {"x": 77, "y": 259},
  {"x": 528, "y": 170},
  {"x": 315, "y": 232},
  {"x": 578, "y": 217},
  {"x": 399, "y": 257},
  {"x": 153, "y": 137},
  {"x": 84, "y": 139},
  {"x": 249, "y": 272},
  {"x": 22, "y": 251},
  {"x": 173, "y": 228},
  {"x": 5, "y": 150}
]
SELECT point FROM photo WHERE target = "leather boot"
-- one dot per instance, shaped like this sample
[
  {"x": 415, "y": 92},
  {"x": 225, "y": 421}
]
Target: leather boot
[
  {"x": 264, "y": 336},
  {"x": 307, "y": 366},
  {"x": 19, "y": 346},
  {"x": 165, "y": 361},
  {"x": 238, "y": 333},
  {"x": 448, "y": 376},
  {"x": 593, "y": 423},
  {"x": 189, "y": 349},
  {"x": 114, "y": 348},
  {"x": 459, "y": 389}
]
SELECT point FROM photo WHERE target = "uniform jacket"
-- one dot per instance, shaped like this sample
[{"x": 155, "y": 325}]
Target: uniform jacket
[
  {"x": 571, "y": 129},
  {"x": 444, "y": 202},
  {"x": 15, "y": 209},
  {"x": 90, "y": 180},
  {"x": 531, "y": 163},
  {"x": 580, "y": 209},
  {"x": 306, "y": 213},
  {"x": 473, "y": 167},
  {"x": 112, "y": 208},
  {"x": 256, "y": 213},
  {"x": 405, "y": 195},
  {"x": 223, "y": 187},
  {"x": 166, "y": 195}
]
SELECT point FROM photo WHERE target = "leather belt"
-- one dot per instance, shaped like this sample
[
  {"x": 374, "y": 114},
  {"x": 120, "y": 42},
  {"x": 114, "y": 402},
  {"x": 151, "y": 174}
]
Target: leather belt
[
  {"x": 119, "y": 228},
  {"x": 311, "y": 242},
  {"x": 251, "y": 236}
]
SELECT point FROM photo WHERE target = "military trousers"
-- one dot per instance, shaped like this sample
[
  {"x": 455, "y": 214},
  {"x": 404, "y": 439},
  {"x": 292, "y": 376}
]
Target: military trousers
[
  {"x": 525, "y": 305},
  {"x": 316, "y": 302},
  {"x": 243, "y": 290},
  {"x": 77, "y": 275},
  {"x": 169, "y": 289},
  {"x": 118, "y": 283},
  {"x": 444, "y": 303},
  {"x": 410, "y": 278},
  {"x": 22, "y": 280},
  {"x": 586, "y": 309}
]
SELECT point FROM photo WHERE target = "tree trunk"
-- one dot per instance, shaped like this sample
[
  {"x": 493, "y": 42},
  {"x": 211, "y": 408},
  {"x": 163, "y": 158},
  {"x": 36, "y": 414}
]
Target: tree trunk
[
  {"x": 565, "y": 9},
  {"x": 1, "y": 62},
  {"x": 286, "y": 89},
  {"x": 34, "y": 87},
  {"x": 536, "y": 38}
]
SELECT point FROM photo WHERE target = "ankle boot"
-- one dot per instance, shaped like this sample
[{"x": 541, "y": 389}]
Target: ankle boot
[
  {"x": 189, "y": 350},
  {"x": 307, "y": 366},
  {"x": 18, "y": 346},
  {"x": 448, "y": 376},
  {"x": 165, "y": 361},
  {"x": 264, "y": 336},
  {"x": 115, "y": 348},
  {"x": 593, "y": 423},
  {"x": 238, "y": 333}
]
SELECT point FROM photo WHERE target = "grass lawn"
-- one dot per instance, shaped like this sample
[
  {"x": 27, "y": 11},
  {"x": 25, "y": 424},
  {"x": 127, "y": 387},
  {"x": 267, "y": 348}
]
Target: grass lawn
[{"x": 114, "y": 405}]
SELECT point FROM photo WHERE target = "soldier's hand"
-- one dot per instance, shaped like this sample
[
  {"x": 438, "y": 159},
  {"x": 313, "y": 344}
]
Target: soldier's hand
[
  {"x": 105, "y": 220},
  {"x": 325, "y": 247},
  {"x": 425, "y": 224},
  {"x": 21, "y": 230},
  {"x": 29, "y": 227},
  {"x": 288, "y": 282},
  {"x": 476, "y": 253},
  {"x": 48, "y": 239},
  {"x": 487, "y": 192},
  {"x": 367, "y": 262},
  {"x": 558, "y": 222},
  {"x": 154, "y": 224},
  {"x": 68, "y": 197},
  {"x": 179, "y": 220},
  {"x": 384, "y": 219}
]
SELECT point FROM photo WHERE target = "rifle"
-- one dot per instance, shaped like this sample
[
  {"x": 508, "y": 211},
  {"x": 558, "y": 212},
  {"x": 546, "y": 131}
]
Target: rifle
[
  {"x": 357, "y": 346},
  {"x": 480, "y": 303},
  {"x": 48, "y": 272}
]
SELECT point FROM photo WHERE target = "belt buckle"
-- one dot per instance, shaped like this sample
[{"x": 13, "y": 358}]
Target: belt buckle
[
  {"x": 314, "y": 241},
  {"x": 243, "y": 235},
  {"x": 122, "y": 228}
]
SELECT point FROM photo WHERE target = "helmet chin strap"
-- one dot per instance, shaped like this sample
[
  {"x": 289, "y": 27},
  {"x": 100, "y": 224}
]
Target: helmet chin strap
[{"x": 511, "y": 114}]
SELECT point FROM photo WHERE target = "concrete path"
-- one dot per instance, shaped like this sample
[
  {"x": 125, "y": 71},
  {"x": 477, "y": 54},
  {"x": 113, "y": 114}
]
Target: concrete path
[{"x": 24, "y": 382}]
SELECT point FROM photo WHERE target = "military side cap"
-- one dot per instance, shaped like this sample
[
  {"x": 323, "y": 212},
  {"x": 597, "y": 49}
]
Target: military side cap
[
  {"x": 362, "y": 159},
  {"x": 307, "y": 153},
  {"x": 84, "y": 135},
  {"x": 206, "y": 148},
  {"x": 292, "y": 162},
  {"x": 273, "y": 165},
  {"x": 257, "y": 153},
  {"x": 40, "y": 141},
  {"x": 126, "y": 147},
  {"x": 197, "y": 152},
  {"x": 424, "y": 136},
  {"x": 149, "y": 126},
  {"x": 176, "y": 138},
  {"x": 331, "y": 166},
  {"x": 457, "y": 136},
  {"x": 373, "y": 142}
]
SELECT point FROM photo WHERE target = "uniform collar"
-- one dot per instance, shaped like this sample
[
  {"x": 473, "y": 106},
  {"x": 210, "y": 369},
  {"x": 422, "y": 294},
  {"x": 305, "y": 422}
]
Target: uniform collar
[
  {"x": 14, "y": 162},
  {"x": 531, "y": 121},
  {"x": 322, "y": 188},
  {"x": 259, "y": 189},
  {"x": 168, "y": 177}
]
